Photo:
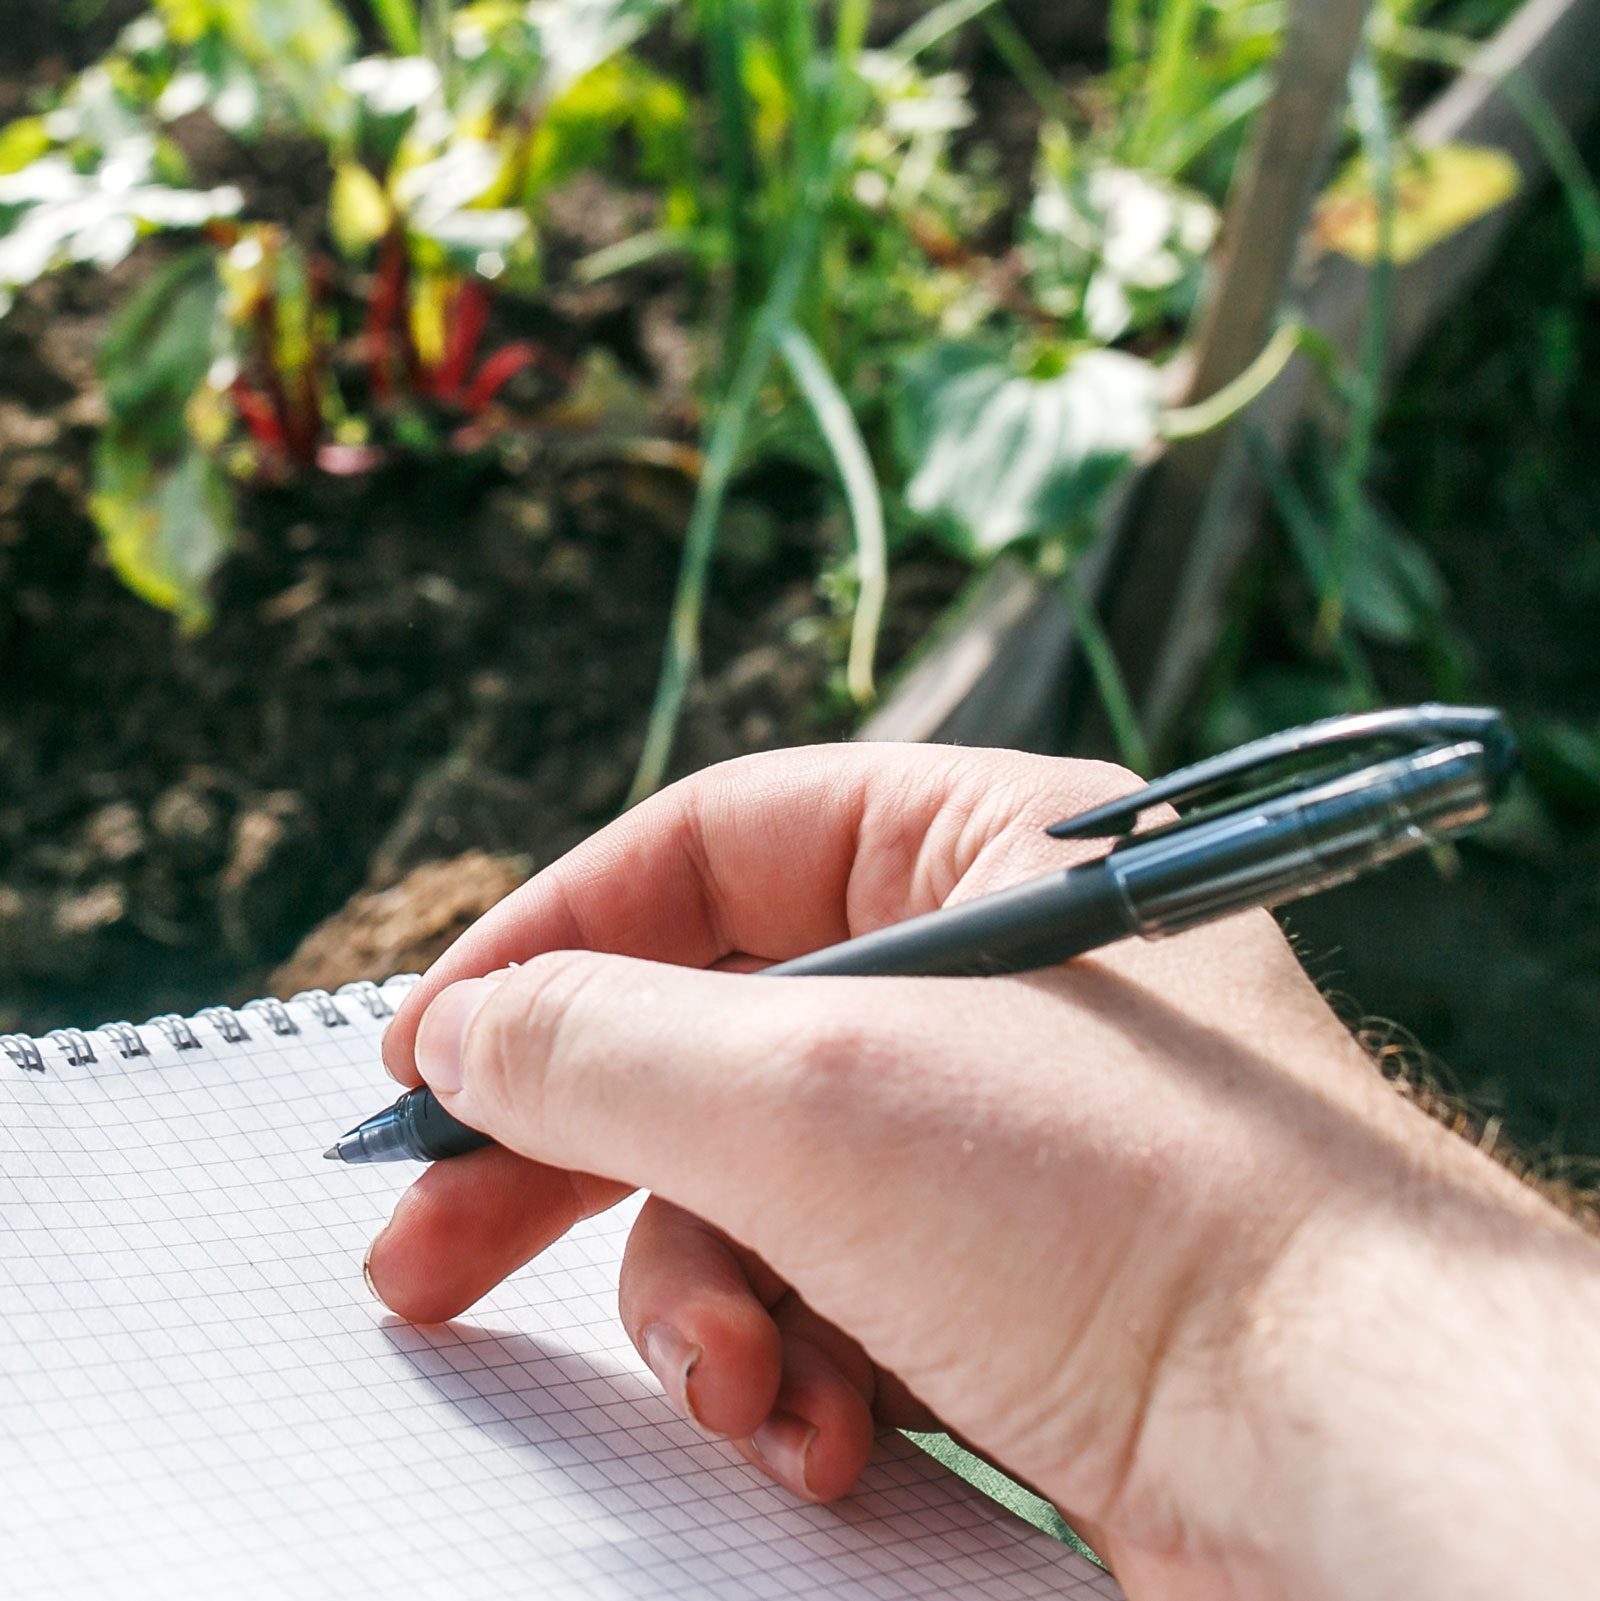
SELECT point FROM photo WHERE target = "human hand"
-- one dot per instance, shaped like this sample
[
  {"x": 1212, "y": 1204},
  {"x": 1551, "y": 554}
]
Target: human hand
[{"x": 1130, "y": 1226}]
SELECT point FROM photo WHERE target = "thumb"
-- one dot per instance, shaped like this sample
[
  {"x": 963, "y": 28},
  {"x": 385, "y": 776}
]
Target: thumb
[{"x": 713, "y": 1089}]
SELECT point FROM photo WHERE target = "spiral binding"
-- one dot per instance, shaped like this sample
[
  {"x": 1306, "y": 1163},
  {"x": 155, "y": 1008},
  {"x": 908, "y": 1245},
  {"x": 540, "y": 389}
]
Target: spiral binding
[{"x": 229, "y": 1025}]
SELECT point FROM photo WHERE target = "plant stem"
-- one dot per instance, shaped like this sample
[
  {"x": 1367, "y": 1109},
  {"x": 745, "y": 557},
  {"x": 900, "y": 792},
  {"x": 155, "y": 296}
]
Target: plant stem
[
  {"x": 935, "y": 26},
  {"x": 725, "y": 54},
  {"x": 1025, "y": 64},
  {"x": 1126, "y": 32},
  {"x": 1371, "y": 113},
  {"x": 722, "y": 458},
  {"x": 1189, "y": 422},
  {"x": 400, "y": 24},
  {"x": 1106, "y": 672},
  {"x": 837, "y": 425}
]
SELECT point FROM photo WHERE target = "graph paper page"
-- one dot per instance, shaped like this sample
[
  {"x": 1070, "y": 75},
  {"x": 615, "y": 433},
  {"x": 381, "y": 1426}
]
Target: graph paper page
[{"x": 198, "y": 1395}]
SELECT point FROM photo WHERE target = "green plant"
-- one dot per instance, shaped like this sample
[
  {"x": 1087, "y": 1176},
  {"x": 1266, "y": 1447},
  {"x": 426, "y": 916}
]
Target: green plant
[
  {"x": 867, "y": 314},
  {"x": 225, "y": 368}
]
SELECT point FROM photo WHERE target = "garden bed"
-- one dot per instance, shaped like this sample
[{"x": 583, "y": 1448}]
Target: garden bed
[
  {"x": 453, "y": 653},
  {"x": 452, "y": 656}
]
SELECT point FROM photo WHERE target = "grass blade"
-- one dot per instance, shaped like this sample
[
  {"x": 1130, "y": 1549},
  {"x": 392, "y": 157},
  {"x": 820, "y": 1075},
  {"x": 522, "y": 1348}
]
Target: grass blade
[
  {"x": 1109, "y": 683},
  {"x": 1370, "y": 110},
  {"x": 402, "y": 27},
  {"x": 934, "y": 26},
  {"x": 722, "y": 459},
  {"x": 837, "y": 425}
]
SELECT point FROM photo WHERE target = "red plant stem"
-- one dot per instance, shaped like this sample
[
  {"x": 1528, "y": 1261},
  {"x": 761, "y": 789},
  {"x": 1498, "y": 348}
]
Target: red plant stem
[
  {"x": 265, "y": 318},
  {"x": 384, "y": 312},
  {"x": 469, "y": 315},
  {"x": 257, "y": 414},
  {"x": 503, "y": 366}
]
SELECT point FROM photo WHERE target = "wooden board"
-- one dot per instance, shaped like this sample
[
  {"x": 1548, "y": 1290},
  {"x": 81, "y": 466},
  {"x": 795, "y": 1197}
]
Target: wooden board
[{"x": 1001, "y": 671}]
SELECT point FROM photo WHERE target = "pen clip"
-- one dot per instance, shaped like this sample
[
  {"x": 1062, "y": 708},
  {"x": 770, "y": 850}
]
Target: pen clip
[{"x": 1298, "y": 757}]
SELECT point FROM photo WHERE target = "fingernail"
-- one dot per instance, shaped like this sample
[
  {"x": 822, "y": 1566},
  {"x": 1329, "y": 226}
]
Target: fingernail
[
  {"x": 672, "y": 1359},
  {"x": 783, "y": 1442},
  {"x": 443, "y": 1030},
  {"x": 366, "y": 1267}
]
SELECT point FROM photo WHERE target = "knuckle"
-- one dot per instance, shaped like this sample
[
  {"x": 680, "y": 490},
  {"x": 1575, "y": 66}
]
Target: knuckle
[
  {"x": 520, "y": 1043},
  {"x": 839, "y": 1074}
]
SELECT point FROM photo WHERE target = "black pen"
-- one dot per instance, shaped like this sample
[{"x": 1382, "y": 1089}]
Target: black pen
[{"x": 1320, "y": 812}]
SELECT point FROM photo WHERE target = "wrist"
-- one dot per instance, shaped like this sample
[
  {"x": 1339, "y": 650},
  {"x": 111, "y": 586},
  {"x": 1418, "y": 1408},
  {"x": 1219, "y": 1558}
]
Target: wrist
[{"x": 1412, "y": 1385}]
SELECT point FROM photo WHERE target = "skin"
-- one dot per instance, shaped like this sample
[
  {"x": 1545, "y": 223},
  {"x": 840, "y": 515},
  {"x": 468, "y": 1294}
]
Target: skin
[{"x": 1147, "y": 1229}]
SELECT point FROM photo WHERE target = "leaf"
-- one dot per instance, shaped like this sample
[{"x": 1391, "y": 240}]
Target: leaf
[
  {"x": 159, "y": 348},
  {"x": 580, "y": 128},
  {"x": 1394, "y": 592},
  {"x": 22, "y": 142},
  {"x": 1438, "y": 193},
  {"x": 837, "y": 425},
  {"x": 359, "y": 214},
  {"x": 303, "y": 47},
  {"x": 575, "y": 36},
  {"x": 995, "y": 456},
  {"x": 401, "y": 25},
  {"x": 1112, "y": 249},
  {"x": 166, "y": 528},
  {"x": 1563, "y": 760},
  {"x": 59, "y": 216}
]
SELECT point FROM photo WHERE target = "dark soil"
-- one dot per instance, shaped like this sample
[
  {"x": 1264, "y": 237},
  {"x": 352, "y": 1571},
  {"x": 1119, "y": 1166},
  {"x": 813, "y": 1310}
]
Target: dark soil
[{"x": 449, "y": 655}]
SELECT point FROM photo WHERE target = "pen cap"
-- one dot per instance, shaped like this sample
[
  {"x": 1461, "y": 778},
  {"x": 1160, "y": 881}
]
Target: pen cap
[{"x": 1302, "y": 843}]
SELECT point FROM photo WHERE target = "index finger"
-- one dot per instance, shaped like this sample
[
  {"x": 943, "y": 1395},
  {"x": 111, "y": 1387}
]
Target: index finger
[{"x": 772, "y": 856}]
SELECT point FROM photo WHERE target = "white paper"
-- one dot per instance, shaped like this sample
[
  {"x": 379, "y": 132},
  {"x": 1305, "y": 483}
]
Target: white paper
[{"x": 199, "y": 1397}]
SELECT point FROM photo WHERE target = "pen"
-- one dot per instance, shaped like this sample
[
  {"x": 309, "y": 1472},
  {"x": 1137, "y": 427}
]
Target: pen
[{"x": 1318, "y": 810}]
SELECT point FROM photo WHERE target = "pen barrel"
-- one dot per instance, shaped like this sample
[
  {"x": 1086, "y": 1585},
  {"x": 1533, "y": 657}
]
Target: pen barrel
[
  {"x": 1019, "y": 930},
  {"x": 1303, "y": 842}
]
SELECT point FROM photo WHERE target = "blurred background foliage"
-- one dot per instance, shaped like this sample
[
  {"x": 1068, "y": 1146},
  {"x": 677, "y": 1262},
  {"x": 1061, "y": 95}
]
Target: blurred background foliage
[{"x": 937, "y": 260}]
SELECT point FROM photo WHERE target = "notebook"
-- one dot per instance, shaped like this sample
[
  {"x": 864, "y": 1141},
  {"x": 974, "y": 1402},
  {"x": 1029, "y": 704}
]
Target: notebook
[{"x": 199, "y": 1396}]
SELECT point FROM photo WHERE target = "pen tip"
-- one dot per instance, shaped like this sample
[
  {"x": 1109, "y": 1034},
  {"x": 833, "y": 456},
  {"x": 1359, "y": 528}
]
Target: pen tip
[{"x": 332, "y": 1154}]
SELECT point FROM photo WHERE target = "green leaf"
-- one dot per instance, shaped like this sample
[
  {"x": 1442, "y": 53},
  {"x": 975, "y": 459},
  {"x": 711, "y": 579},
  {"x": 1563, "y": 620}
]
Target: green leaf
[
  {"x": 401, "y": 25},
  {"x": 166, "y": 528},
  {"x": 23, "y": 142},
  {"x": 995, "y": 456},
  {"x": 1564, "y": 762},
  {"x": 1393, "y": 591},
  {"x": 576, "y": 36},
  {"x": 840, "y": 433},
  {"x": 1112, "y": 250},
  {"x": 159, "y": 348},
  {"x": 303, "y": 47}
]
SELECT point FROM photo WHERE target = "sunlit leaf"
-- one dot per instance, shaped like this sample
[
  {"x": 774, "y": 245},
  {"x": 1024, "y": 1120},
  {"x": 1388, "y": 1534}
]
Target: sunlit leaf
[
  {"x": 166, "y": 527},
  {"x": 575, "y": 36},
  {"x": 995, "y": 456},
  {"x": 581, "y": 127},
  {"x": 359, "y": 213},
  {"x": 52, "y": 215},
  {"x": 1438, "y": 193},
  {"x": 1111, "y": 250},
  {"x": 22, "y": 142},
  {"x": 302, "y": 47},
  {"x": 392, "y": 86}
]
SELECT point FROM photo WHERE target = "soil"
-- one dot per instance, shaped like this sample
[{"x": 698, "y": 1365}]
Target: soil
[{"x": 450, "y": 655}]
